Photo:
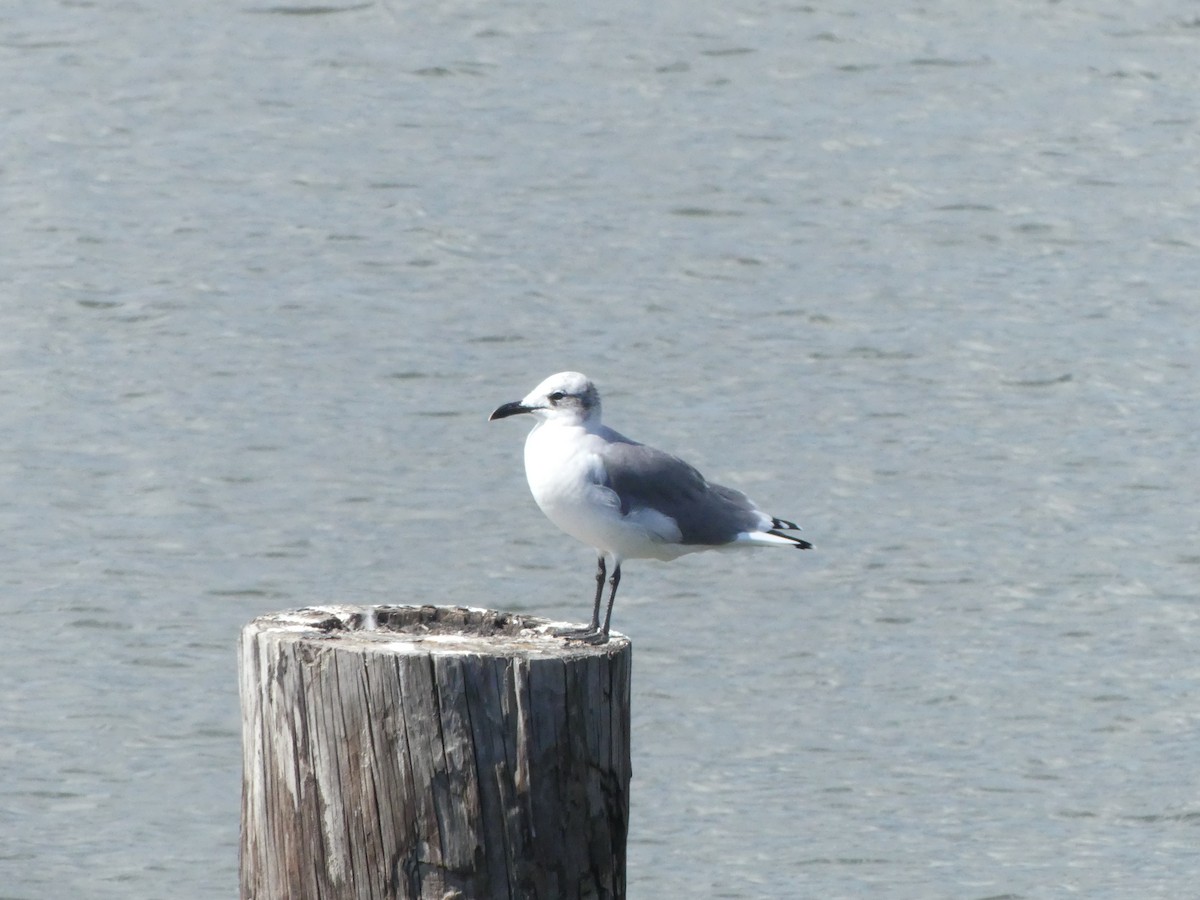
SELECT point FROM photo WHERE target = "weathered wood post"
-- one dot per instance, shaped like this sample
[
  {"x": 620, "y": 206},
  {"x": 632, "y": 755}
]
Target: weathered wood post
[{"x": 431, "y": 752}]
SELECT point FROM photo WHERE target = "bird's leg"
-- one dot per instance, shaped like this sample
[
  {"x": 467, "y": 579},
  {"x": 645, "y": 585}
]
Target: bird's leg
[
  {"x": 614, "y": 581},
  {"x": 596, "y": 635},
  {"x": 592, "y": 630},
  {"x": 599, "y": 592}
]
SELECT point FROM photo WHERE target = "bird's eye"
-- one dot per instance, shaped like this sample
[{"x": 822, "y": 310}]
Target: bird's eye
[{"x": 556, "y": 396}]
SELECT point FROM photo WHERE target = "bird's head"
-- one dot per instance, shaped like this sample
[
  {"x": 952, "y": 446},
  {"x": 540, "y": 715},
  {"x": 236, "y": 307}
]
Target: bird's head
[{"x": 567, "y": 397}]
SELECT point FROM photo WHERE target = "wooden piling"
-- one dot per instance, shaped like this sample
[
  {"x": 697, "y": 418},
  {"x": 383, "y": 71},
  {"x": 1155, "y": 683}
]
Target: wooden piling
[{"x": 431, "y": 753}]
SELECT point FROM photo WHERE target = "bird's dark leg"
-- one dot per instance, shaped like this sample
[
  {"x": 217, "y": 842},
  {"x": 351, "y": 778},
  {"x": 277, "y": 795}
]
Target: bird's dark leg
[
  {"x": 592, "y": 632},
  {"x": 596, "y": 635},
  {"x": 599, "y": 592},
  {"x": 614, "y": 581}
]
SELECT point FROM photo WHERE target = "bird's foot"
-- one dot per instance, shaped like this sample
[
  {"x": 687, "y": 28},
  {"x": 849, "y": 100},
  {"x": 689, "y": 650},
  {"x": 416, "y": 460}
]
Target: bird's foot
[{"x": 584, "y": 635}]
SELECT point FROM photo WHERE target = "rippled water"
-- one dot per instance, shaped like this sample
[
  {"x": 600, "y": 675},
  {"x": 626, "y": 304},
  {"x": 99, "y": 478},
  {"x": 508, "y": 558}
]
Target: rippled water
[{"x": 919, "y": 276}]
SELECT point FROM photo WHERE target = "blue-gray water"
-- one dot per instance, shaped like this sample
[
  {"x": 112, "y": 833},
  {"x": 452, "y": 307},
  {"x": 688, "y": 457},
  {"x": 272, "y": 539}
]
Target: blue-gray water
[{"x": 922, "y": 276}]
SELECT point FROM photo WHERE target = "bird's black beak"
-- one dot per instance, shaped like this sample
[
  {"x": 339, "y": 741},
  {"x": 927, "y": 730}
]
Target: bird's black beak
[{"x": 508, "y": 409}]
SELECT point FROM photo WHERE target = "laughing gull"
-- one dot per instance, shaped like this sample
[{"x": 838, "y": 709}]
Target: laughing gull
[{"x": 626, "y": 500}]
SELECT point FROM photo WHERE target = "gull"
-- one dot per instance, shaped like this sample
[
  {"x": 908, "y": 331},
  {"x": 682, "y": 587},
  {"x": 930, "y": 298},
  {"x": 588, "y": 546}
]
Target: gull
[{"x": 624, "y": 499}]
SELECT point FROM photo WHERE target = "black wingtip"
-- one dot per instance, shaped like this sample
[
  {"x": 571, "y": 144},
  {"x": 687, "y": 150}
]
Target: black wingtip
[
  {"x": 785, "y": 525},
  {"x": 800, "y": 544}
]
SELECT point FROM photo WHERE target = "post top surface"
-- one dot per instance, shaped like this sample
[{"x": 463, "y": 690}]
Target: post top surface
[{"x": 431, "y": 629}]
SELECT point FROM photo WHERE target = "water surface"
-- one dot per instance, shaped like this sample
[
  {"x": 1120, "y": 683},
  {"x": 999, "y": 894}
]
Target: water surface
[{"x": 921, "y": 277}]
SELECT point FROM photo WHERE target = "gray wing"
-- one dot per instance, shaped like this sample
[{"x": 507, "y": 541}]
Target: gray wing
[{"x": 710, "y": 514}]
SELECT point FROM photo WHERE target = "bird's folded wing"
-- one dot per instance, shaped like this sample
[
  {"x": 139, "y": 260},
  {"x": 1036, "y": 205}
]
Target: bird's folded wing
[{"x": 646, "y": 479}]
